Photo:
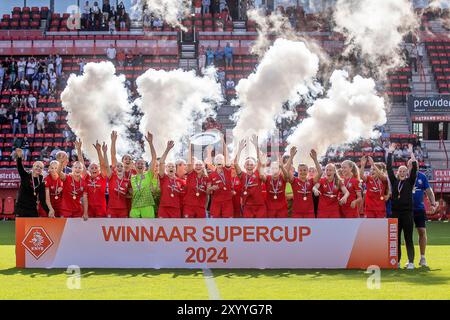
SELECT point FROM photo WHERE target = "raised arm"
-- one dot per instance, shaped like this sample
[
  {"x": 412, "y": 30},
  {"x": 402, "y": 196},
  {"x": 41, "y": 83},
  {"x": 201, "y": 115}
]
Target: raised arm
[
  {"x": 390, "y": 171},
  {"x": 190, "y": 164},
  {"x": 149, "y": 138},
  {"x": 362, "y": 167},
  {"x": 78, "y": 145},
  {"x": 313, "y": 155},
  {"x": 242, "y": 145},
  {"x": 378, "y": 172},
  {"x": 255, "y": 142},
  {"x": 415, "y": 167},
  {"x": 101, "y": 159},
  {"x": 162, "y": 161},
  {"x": 23, "y": 174},
  {"x": 288, "y": 166},
  {"x": 61, "y": 166},
  {"x": 108, "y": 170},
  {"x": 113, "y": 148},
  {"x": 208, "y": 160}
]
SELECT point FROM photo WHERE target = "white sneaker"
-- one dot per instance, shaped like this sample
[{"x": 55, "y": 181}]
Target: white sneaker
[
  {"x": 423, "y": 262},
  {"x": 410, "y": 266}
]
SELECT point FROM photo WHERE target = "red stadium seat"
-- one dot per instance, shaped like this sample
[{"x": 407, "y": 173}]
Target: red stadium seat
[{"x": 9, "y": 205}]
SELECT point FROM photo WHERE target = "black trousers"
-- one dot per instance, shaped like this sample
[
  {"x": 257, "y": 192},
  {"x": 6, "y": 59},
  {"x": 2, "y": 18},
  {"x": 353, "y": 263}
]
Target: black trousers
[
  {"x": 25, "y": 213},
  {"x": 405, "y": 226}
]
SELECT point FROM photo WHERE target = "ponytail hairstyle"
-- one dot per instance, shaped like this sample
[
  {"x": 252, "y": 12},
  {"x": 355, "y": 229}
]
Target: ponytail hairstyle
[{"x": 354, "y": 168}]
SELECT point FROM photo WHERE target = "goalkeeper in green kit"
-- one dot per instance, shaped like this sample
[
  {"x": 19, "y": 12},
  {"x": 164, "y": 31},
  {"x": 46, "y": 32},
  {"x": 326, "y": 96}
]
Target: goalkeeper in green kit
[{"x": 143, "y": 186}]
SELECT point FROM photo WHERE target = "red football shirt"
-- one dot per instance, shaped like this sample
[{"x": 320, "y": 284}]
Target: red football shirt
[
  {"x": 375, "y": 194},
  {"x": 96, "y": 189},
  {"x": 56, "y": 187},
  {"x": 171, "y": 191},
  {"x": 195, "y": 190},
  {"x": 328, "y": 200},
  {"x": 276, "y": 196},
  {"x": 252, "y": 189},
  {"x": 224, "y": 182},
  {"x": 72, "y": 193},
  {"x": 118, "y": 189},
  {"x": 303, "y": 197},
  {"x": 353, "y": 185}
]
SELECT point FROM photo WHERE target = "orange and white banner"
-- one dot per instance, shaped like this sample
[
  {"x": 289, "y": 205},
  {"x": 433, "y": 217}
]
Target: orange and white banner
[{"x": 206, "y": 243}]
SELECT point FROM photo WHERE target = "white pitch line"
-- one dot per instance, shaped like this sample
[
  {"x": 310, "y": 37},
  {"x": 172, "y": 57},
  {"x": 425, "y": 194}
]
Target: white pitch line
[{"x": 213, "y": 292}]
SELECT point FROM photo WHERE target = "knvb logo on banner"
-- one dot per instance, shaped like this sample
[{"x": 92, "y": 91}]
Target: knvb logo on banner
[{"x": 37, "y": 242}]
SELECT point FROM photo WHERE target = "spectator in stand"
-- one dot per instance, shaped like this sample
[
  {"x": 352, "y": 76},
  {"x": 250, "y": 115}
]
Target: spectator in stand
[
  {"x": 45, "y": 154},
  {"x": 157, "y": 23},
  {"x": 201, "y": 58},
  {"x": 68, "y": 135},
  {"x": 111, "y": 53},
  {"x": 197, "y": 6},
  {"x": 129, "y": 59},
  {"x": 52, "y": 118},
  {"x": 82, "y": 63},
  {"x": 113, "y": 13},
  {"x": 106, "y": 9},
  {"x": 206, "y": 6},
  {"x": 222, "y": 5},
  {"x": 112, "y": 26},
  {"x": 228, "y": 51},
  {"x": 97, "y": 15},
  {"x": 3, "y": 115},
  {"x": 398, "y": 153},
  {"x": 40, "y": 122},
  {"x": 420, "y": 53},
  {"x": 31, "y": 69},
  {"x": 24, "y": 84},
  {"x": 16, "y": 121},
  {"x": 30, "y": 121},
  {"x": 405, "y": 153},
  {"x": 53, "y": 79},
  {"x": 7, "y": 82},
  {"x": 36, "y": 80},
  {"x": 123, "y": 21},
  {"x": 26, "y": 148},
  {"x": 419, "y": 154},
  {"x": 120, "y": 8},
  {"x": 215, "y": 6},
  {"x": 86, "y": 14},
  {"x": 2, "y": 73},
  {"x": 21, "y": 65},
  {"x": 54, "y": 152},
  {"x": 219, "y": 54},
  {"x": 121, "y": 58},
  {"x": 59, "y": 66},
  {"x": 43, "y": 91},
  {"x": 13, "y": 71},
  {"x": 32, "y": 102}
]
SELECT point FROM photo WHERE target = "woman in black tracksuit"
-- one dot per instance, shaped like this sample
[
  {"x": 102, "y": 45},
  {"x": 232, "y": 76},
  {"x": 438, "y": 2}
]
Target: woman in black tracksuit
[
  {"x": 32, "y": 189},
  {"x": 402, "y": 203}
]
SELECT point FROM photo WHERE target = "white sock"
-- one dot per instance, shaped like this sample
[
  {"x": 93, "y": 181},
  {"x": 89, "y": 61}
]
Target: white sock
[{"x": 422, "y": 256}]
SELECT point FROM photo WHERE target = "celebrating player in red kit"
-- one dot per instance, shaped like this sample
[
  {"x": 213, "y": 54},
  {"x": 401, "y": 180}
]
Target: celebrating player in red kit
[
  {"x": 53, "y": 190},
  {"x": 352, "y": 183},
  {"x": 74, "y": 189},
  {"x": 253, "y": 201},
  {"x": 377, "y": 189},
  {"x": 303, "y": 203},
  {"x": 194, "y": 200},
  {"x": 276, "y": 190},
  {"x": 171, "y": 187},
  {"x": 328, "y": 189}
]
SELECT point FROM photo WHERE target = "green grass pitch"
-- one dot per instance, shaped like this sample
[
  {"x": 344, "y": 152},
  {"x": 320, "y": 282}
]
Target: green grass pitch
[{"x": 422, "y": 283}]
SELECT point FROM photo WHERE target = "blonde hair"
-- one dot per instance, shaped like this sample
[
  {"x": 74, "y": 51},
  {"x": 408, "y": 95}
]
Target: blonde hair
[{"x": 354, "y": 168}]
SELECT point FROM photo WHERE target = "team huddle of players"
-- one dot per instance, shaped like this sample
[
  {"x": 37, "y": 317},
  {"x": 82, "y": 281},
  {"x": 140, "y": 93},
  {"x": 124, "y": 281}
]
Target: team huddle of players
[{"x": 193, "y": 189}]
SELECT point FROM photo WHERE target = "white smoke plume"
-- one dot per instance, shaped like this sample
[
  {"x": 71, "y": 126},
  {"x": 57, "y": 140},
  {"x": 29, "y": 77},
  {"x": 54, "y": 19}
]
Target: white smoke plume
[
  {"x": 170, "y": 11},
  {"x": 286, "y": 71},
  {"x": 436, "y": 4},
  {"x": 376, "y": 29},
  {"x": 350, "y": 110},
  {"x": 175, "y": 103},
  {"x": 97, "y": 103}
]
